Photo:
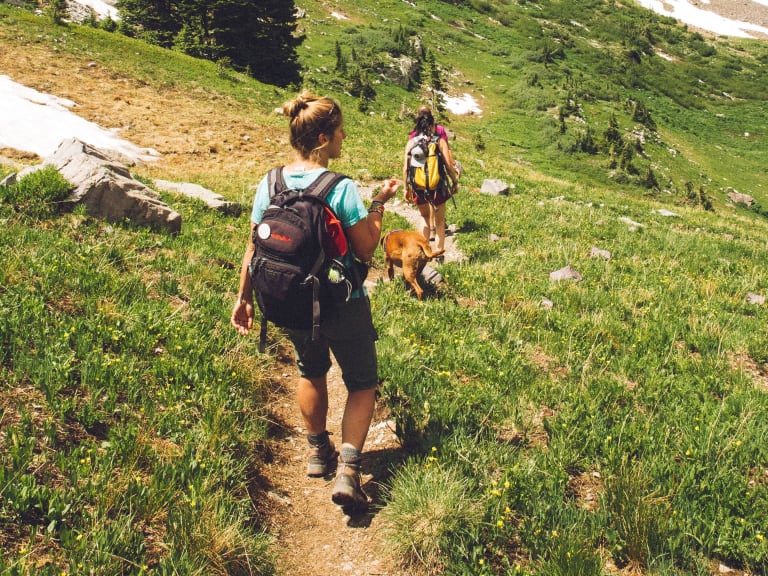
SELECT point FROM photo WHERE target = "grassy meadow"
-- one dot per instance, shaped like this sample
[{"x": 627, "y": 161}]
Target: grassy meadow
[{"x": 609, "y": 425}]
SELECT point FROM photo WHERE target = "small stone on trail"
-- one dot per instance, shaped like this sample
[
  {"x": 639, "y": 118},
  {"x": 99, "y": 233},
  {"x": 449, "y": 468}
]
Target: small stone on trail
[{"x": 755, "y": 299}]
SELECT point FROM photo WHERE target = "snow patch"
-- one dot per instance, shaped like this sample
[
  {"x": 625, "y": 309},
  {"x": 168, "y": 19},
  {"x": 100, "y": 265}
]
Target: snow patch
[
  {"x": 461, "y": 105},
  {"x": 102, "y": 9},
  {"x": 36, "y": 122},
  {"x": 689, "y": 14}
]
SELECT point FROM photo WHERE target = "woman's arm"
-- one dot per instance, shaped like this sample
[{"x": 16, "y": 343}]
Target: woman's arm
[
  {"x": 364, "y": 236},
  {"x": 242, "y": 313}
]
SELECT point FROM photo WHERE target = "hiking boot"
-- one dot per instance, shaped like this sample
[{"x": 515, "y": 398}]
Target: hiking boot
[
  {"x": 322, "y": 457},
  {"x": 347, "y": 492}
]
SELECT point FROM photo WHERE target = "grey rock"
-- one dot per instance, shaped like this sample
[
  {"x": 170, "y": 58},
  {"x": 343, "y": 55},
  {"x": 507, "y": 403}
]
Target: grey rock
[
  {"x": 740, "y": 198},
  {"x": 596, "y": 252},
  {"x": 9, "y": 180},
  {"x": 210, "y": 198},
  {"x": 494, "y": 187},
  {"x": 755, "y": 299},
  {"x": 431, "y": 276},
  {"x": 107, "y": 189},
  {"x": 567, "y": 273}
]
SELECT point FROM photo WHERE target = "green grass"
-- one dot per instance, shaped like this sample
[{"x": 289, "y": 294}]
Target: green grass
[
  {"x": 641, "y": 364},
  {"x": 129, "y": 411},
  {"x": 132, "y": 415}
]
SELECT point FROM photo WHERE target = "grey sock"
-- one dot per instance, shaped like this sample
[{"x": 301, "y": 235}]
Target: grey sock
[
  {"x": 318, "y": 440},
  {"x": 350, "y": 455}
]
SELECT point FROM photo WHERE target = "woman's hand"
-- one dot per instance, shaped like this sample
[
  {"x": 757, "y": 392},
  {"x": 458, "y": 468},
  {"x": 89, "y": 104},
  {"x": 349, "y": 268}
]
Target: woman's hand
[
  {"x": 389, "y": 189},
  {"x": 364, "y": 236},
  {"x": 242, "y": 316}
]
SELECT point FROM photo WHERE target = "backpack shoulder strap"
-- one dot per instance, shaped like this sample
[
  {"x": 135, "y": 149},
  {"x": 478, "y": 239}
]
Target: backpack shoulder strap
[
  {"x": 275, "y": 182},
  {"x": 324, "y": 183}
]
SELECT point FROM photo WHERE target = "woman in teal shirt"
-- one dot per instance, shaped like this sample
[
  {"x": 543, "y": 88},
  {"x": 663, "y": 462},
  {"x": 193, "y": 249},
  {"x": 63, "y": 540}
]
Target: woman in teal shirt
[{"x": 317, "y": 134}]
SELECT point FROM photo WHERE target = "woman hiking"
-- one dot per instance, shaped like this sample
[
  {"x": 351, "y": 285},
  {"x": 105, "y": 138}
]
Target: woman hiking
[{"x": 316, "y": 135}]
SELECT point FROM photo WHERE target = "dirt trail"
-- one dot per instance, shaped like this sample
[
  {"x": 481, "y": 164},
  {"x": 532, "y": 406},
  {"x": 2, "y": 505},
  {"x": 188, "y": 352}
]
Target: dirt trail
[{"x": 314, "y": 537}]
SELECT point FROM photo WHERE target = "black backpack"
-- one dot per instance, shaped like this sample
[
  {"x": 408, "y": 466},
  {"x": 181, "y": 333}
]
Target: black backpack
[{"x": 296, "y": 271}]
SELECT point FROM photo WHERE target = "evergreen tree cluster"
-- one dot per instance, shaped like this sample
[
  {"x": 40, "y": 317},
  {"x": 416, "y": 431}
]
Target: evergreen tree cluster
[{"x": 256, "y": 36}]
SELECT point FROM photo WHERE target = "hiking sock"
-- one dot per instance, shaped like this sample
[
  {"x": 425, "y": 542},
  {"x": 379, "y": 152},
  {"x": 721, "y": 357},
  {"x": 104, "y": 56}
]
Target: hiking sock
[
  {"x": 322, "y": 455},
  {"x": 318, "y": 440},
  {"x": 351, "y": 456}
]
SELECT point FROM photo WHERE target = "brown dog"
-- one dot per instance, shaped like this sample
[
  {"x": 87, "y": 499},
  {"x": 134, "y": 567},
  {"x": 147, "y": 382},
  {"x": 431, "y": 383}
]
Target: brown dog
[{"x": 411, "y": 251}]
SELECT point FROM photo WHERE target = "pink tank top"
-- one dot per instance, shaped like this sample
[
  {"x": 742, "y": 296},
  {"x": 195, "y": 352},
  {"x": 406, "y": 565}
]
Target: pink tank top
[{"x": 439, "y": 130}]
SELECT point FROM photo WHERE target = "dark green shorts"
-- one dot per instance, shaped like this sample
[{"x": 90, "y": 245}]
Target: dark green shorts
[{"x": 349, "y": 333}]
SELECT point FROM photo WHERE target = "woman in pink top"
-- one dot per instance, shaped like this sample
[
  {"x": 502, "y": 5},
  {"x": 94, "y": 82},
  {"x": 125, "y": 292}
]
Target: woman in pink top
[{"x": 431, "y": 205}]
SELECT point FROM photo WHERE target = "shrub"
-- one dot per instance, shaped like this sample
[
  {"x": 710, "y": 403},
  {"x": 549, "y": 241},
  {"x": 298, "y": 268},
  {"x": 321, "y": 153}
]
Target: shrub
[
  {"x": 429, "y": 508},
  {"x": 38, "y": 195}
]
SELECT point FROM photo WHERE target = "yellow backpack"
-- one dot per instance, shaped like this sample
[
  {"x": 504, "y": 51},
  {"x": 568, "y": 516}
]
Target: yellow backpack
[{"x": 425, "y": 167}]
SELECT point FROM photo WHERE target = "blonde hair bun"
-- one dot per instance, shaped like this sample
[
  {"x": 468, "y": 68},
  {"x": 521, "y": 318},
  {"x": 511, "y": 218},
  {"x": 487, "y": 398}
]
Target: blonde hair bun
[{"x": 292, "y": 108}]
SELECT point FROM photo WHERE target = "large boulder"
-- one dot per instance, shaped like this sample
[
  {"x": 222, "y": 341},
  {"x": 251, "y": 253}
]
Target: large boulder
[
  {"x": 402, "y": 71},
  {"x": 107, "y": 189}
]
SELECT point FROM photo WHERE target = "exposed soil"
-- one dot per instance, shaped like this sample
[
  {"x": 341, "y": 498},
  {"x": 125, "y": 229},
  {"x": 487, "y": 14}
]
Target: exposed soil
[{"x": 313, "y": 536}]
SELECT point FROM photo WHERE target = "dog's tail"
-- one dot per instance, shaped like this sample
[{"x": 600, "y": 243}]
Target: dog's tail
[
  {"x": 431, "y": 254},
  {"x": 427, "y": 249}
]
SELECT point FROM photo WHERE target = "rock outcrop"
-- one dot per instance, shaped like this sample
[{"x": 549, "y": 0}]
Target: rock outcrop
[
  {"x": 107, "y": 189},
  {"x": 209, "y": 197}
]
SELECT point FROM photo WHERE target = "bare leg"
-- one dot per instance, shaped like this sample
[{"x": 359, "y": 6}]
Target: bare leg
[
  {"x": 440, "y": 225},
  {"x": 358, "y": 413},
  {"x": 432, "y": 224},
  {"x": 312, "y": 397},
  {"x": 425, "y": 211}
]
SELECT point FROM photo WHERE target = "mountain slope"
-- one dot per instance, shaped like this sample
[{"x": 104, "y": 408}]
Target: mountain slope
[
  {"x": 547, "y": 427},
  {"x": 591, "y": 60}
]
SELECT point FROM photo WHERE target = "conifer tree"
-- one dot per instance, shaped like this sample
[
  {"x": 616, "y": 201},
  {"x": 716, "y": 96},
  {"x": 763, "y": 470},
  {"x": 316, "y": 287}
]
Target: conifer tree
[
  {"x": 156, "y": 22},
  {"x": 257, "y": 36},
  {"x": 341, "y": 63}
]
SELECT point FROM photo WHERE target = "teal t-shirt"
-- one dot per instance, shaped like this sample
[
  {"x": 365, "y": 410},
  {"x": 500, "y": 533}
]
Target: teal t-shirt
[{"x": 344, "y": 200}]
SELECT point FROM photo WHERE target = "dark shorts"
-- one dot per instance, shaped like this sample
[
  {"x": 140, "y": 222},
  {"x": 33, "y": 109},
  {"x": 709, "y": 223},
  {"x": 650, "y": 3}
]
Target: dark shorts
[
  {"x": 349, "y": 333},
  {"x": 435, "y": 198}
]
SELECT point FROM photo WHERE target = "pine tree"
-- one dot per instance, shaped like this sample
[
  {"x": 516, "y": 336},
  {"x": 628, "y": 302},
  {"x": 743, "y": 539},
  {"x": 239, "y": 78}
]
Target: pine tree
[
  {"x": 156, "y": 22},
  {"x": 57, "y": 10},
  {"x": 255, "y": 35},
  {"x": 613, "y": 135},
  {"x": 260, "y": 35},
  {"x": 341, "y": 62}
]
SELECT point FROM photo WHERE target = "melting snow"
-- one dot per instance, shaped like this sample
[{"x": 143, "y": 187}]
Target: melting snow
[
  {"x": 689, "y": 14},
  {"x": 36, "y": 122}
]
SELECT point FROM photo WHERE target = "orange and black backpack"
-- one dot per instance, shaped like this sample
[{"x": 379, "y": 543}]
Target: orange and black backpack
[{"x": 297, "y": 270}]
